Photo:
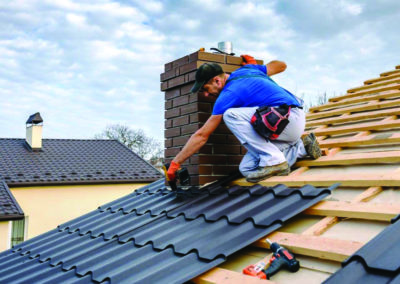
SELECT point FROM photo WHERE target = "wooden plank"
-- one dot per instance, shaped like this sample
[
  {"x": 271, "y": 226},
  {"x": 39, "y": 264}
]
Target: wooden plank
[
  {"x": 320, "y": 247},
  {"x": 398, "y": 67},
  {"x": 386, "y": 157},
  {"x": 380, "y": 125},
  {"x": 377, "y": 84},
  {"x": 364, "y": 93},
  {"x": 371, "y": 105},
  {"x": 388, "y": 73},
  {"x": 320, "y": 227},
  {"x": 326, "y": 180},
  {"x": 380, "y": 79},
  {"x": 355, "y": 117},
  {"x": 358, "y": 210},
  {"x": 383, "y": 95},
  {"x": 377, "y": 139},
  {"x": 367, "y": 195},
  {"x": 225, "y": 276}
]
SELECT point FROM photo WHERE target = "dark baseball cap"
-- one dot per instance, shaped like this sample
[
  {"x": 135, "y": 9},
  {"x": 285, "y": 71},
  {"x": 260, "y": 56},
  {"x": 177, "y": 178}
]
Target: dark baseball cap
[{"x": 206, "y": 72}]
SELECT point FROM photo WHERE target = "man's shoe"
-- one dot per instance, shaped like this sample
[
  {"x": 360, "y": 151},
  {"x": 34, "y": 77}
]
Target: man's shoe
[
  {"x": 265, "y": 172},
  {"x": 311, "y": 145}
]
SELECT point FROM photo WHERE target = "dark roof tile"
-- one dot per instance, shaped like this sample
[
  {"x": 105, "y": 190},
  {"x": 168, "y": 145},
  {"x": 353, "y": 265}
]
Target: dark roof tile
[
  {"x": 72, "y": 161},
  {"x": 132, "y": 240},
  {"x": 377, "y": 260},
  {"x": 9, "y": 207}
]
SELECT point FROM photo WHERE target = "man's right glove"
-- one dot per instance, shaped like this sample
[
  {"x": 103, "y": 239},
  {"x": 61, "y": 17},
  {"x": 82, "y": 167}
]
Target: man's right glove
[
  {"x": 248, "y": 59},
  {"x": 173, "y": 168}
]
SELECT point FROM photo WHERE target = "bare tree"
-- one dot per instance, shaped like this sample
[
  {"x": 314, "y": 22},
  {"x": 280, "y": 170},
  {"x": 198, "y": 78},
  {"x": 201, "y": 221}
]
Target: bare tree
[
  {"x": 321, "y": 99},
  {"x": 136, "y": 140}
]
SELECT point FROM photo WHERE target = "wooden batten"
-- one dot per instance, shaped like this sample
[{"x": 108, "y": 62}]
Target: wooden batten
[
  {"x": 388, "y": 73},
  {"x": 373, "y": 85},
  {"x": 374, "y": 139},
  {"x": 320, "y": 247},
  {"x": 348, "y": 102},
  {"x": 369, "y": 211},
  {"x": 381, "y": 79},
  {"x": 355, "y": 117},
  {"x": 365, "y": 92},
  {"x": 369, "y": 105},
  {"x": 359, "y": 127},
  {"x": 225, "y": 276},
  {"x": 352, "y": 159},
  {"x": 352, "y": 180}
]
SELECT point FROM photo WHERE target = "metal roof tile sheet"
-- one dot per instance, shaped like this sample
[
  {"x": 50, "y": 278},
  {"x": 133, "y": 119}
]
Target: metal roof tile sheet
[
  {"x": 377, "y": 260},
  {"x": 132, "y": 240}
]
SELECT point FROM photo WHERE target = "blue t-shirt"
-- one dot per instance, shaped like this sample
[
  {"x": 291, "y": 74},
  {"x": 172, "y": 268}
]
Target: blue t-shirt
[{"x": 254, "y": 89}]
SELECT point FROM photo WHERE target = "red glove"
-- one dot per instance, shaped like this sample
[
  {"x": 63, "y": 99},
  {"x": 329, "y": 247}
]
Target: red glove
[
  {"x": 248, "y": 59},
  {"x": 171, "y": 173}
]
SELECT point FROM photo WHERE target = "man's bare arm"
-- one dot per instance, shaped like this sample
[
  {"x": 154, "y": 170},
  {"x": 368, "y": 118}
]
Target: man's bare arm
[
  {"x": 275, "y": 67},
  {"x": 198, "y": 139}
]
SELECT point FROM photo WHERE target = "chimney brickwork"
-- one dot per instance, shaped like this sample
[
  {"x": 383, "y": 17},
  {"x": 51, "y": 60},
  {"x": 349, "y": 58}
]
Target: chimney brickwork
[{"x": 185, "y": 113}]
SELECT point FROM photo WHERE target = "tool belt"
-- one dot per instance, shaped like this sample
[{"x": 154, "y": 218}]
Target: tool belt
[{"x": 269, "y": 122}]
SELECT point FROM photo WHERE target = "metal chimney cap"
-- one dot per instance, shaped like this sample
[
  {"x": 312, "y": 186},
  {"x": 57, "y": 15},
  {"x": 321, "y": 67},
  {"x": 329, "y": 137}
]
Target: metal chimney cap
[{"x": 35, "y": 119}]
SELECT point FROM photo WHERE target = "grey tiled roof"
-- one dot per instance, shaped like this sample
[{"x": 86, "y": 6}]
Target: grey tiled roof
[
  {"x": 376, "y": 262},
  {"x": 152, "y": 236},
  {"x": 72, "y": 161},
  {"x": 9, "y": 208}
]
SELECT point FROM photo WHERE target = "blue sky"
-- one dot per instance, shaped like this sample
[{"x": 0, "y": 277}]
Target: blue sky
[{"x": 88, "y": 64}]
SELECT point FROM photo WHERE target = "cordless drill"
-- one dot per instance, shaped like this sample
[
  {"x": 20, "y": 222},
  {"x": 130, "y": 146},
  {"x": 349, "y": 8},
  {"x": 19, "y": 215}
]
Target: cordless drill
[
  {"x": 281, "y": 258},
  {"x": 182, "y": 175}
]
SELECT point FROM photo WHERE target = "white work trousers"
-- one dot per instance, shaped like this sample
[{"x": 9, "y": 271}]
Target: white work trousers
[{"x": 260, "y": 152}]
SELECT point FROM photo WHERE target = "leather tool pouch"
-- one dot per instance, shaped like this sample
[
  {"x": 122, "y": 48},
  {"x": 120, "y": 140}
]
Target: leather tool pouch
[{"x": 269, "y": 122}]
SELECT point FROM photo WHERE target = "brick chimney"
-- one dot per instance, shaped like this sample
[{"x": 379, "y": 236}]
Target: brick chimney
[{"x": 185, "y": 113}]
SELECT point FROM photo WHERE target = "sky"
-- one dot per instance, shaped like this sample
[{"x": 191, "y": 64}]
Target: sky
[{"x": 85, "y": 65}]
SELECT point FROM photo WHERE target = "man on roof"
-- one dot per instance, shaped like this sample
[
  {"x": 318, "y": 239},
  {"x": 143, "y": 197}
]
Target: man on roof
[{"x": 272, "y": 136}]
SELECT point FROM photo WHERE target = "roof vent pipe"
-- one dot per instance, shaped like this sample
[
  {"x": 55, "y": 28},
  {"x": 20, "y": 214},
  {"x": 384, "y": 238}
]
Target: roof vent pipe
[
  {"x": 225, "y": 46},
  {"x": 34, "y": 126}
]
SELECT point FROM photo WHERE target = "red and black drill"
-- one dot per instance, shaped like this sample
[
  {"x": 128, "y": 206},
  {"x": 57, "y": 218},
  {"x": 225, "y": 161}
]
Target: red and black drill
[
  {"x": 182, "y": 175},
  {"x": 281, "y": 258}
]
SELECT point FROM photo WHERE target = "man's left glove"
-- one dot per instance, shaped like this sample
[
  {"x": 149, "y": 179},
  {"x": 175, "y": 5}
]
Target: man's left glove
[
  {"x": 248, "y": 59},
  {"x": 173, "y": 168}
]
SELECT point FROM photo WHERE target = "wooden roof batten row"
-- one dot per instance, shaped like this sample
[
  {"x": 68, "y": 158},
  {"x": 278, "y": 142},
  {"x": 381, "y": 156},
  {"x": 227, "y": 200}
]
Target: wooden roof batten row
[
  {"x": 380, "y": 96},
  {"x": 381, "y": 79},
  {"x": 378, "y": 84},
  {"x": 368, "y": 106},
  {"x": 378, "y": 99}
]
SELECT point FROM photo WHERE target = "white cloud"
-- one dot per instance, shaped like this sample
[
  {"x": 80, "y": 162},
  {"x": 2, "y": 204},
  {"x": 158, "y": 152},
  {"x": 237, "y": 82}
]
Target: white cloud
[
  {"x": 351, "y": 8},
  {"x": 86, "y": 64},
  {"x": 75, "y": 19}
]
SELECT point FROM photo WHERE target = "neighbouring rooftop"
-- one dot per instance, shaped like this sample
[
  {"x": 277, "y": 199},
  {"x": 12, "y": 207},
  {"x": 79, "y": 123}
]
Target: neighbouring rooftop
[{"x": 72, "y": 161}]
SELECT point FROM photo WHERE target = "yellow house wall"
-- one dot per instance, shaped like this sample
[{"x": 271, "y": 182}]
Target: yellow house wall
[
  {"x": 4, "y": 233},
  {"x": 46, "y": 207}
]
